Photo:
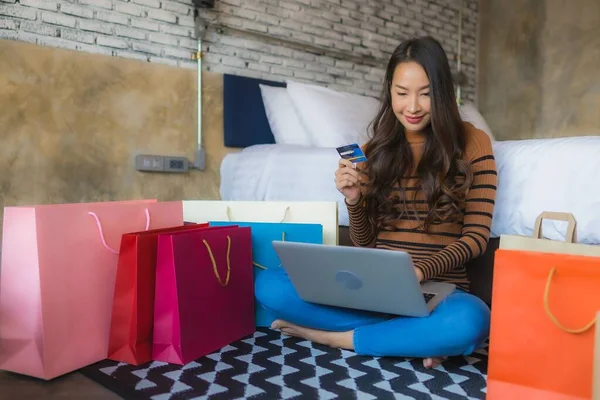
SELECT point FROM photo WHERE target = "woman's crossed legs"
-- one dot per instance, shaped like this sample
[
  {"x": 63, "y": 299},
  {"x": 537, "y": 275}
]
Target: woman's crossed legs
[{"x": 457, "y": 326}]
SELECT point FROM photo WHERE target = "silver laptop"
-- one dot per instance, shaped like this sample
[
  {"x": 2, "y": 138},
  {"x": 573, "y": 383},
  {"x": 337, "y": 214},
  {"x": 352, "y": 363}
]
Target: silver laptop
[{"x": 360, "y": 278}]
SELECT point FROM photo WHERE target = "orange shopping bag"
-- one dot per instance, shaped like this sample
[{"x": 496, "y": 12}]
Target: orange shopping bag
[
  {"x": 542, "y": 328},
  {"x": 596, "y": 378}
]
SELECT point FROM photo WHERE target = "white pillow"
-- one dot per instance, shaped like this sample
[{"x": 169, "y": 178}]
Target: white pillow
[
  {"x": 469, "y": 113},
  {"x": 332, "y": 118},
  {"x": 283, "y": 119}
]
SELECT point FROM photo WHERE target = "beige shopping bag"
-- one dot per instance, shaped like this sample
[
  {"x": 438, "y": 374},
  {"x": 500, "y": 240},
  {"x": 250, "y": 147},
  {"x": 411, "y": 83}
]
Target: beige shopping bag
[
  {"x": 537, "y": 242},
  {"x": 311, "y": 212}
]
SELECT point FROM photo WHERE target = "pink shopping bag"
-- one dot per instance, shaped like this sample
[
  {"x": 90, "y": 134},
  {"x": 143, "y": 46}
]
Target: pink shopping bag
[
  {"x": 57, "y": 280},
  {"x": 204, "y": 292}
]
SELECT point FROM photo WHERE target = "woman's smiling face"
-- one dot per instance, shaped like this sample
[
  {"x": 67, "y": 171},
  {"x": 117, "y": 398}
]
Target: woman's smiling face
[{"x": 410, "y": 96}]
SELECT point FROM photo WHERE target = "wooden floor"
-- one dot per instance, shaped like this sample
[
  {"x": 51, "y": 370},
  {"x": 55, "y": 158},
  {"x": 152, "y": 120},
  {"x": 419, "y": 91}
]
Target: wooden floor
[{"x": 71, "y": 386}]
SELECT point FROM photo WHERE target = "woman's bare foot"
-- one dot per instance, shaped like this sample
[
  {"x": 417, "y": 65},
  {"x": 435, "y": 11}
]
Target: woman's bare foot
[
  {"x": 342, "y": 340},
  {"x": 433, "y": 362}
]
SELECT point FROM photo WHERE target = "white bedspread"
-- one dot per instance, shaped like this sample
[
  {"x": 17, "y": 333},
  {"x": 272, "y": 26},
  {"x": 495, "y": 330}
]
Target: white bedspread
[
  {"x": 534, "y": 176},
  {"x": 560, "y": 175}
]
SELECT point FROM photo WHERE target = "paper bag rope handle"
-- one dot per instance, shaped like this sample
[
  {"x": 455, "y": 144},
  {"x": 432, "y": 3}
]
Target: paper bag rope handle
[
  {"x": 214, "y": 263},
  {"x": 285, "y": 214},
  {"x": 558, "y": 216},
  {"x": 99, "y": 225},
  {"x": 262, "y": 266},
  {"x": 552, "y": 317}
]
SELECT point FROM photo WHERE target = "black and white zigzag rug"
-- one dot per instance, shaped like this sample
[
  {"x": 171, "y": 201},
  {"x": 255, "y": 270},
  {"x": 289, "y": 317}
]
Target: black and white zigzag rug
[{"x": 271, "y": 366}]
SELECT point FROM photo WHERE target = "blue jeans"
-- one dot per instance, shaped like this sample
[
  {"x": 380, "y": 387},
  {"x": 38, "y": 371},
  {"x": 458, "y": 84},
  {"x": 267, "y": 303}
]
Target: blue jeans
[{"x": 457, "y": 326}]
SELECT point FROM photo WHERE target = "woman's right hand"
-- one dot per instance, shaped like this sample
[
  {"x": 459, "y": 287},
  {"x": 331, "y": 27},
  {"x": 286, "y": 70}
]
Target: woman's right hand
[{"x": 347, "y": 181}]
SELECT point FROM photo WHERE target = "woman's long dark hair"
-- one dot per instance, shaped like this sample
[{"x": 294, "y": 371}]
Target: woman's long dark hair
[{"x": 443, "y": 175}]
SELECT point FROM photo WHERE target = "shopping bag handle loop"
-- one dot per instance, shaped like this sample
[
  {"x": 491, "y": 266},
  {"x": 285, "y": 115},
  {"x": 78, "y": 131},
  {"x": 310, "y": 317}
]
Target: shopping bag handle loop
[
  {"x": 285, "y": 214},
  {"x": 262, "y": 266},
  {"x": 552, "y": 317},
  {"x": 99, "y": 225},
  {"x": 214, "y": 263},
  {"x": 558, "y": 216}
]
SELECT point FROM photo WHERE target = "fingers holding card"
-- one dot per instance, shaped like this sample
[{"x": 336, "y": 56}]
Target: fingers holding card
[
  {"x": 348, "y": 176},
  {"x": 352, "y": 152}
]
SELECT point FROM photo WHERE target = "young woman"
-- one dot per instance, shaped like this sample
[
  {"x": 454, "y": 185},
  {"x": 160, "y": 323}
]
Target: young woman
[{"x": 428, "y": 188}]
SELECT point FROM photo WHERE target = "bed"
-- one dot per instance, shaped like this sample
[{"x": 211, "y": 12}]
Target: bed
[{"x": 534, "y": 175}]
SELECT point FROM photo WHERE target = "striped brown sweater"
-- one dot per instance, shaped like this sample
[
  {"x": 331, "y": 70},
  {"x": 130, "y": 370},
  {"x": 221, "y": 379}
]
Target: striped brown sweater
[{"x": 442, "y": 253}]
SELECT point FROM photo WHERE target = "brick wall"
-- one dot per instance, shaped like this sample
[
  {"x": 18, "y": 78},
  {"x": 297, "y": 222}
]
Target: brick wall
[
  {"x": 343, "y": 44},
  {"x": 149, "y": 30}
]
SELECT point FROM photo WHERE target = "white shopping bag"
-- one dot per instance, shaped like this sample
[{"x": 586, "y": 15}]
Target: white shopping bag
[{"x": 310, "y": 212}]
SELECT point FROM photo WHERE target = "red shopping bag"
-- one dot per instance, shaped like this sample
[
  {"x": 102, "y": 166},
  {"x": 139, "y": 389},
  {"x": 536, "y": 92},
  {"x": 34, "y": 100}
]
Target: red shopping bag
[
  {"x": 204, "y": 292},
  {"x": 133, "y": 306}
]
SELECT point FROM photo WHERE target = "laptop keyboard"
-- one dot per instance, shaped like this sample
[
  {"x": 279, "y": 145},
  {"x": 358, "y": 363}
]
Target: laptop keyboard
[{"x": 428, "y": 296}]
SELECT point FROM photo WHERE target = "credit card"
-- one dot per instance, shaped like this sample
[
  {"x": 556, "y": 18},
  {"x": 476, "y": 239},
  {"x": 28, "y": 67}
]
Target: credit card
[{"x": 352, "y": 152}]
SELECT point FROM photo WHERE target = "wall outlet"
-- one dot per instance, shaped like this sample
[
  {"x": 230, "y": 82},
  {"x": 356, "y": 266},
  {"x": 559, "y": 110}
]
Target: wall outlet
[
  {"x": 176, "y": 164},
  {"x": 154, "y": 163}
]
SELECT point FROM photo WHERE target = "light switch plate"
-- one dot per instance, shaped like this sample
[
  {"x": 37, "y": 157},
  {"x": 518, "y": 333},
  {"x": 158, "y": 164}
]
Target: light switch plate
[{"x": 146, "y": 162}]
